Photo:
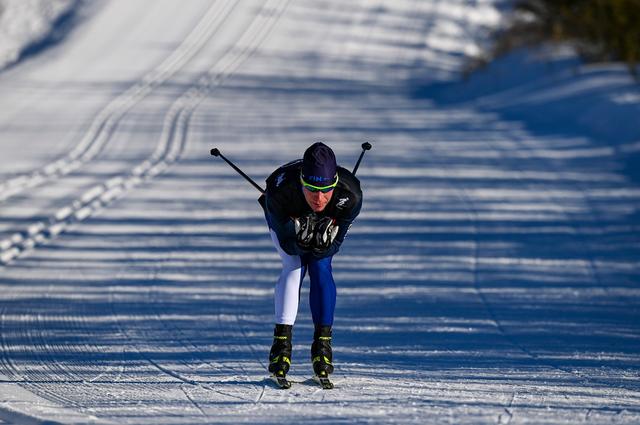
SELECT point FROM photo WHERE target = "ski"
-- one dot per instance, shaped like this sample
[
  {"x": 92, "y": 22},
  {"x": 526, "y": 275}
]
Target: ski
[
  {"x": 281, "y": 382},
  {"x": 324, "y": 382}
]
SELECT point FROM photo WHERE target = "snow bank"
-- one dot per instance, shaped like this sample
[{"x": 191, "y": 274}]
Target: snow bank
[
  {"x": 557, "y": 90},
  {"x": 463, "y": 28},
  {"x": 550, "y": 90},
  {"x": 26, "y": 22},
  {"x": 553, "y": 92}
]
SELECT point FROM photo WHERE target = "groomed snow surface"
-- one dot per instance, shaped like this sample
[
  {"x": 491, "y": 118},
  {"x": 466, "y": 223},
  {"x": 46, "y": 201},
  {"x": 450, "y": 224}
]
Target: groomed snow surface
[{"x": 492, "y": 276}]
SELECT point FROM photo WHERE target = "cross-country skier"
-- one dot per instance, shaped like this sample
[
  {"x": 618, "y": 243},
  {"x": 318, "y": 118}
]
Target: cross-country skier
[{"x": 309, "y": 206}]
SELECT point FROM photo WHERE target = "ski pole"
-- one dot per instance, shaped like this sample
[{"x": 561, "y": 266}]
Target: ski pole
[
  {"x": 365, "y": 147},
  {"x": 216, "y": 152}
]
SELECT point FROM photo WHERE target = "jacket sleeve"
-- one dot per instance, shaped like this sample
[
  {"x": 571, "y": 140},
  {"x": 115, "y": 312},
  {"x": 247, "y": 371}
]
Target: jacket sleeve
[
  {"x": 282, "y": 225},
  {"x": 344, "y": 224}
]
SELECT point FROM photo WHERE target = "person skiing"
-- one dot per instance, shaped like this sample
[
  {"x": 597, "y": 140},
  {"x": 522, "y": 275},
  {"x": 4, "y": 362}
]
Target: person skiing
[{"x": 309, "y": 206}]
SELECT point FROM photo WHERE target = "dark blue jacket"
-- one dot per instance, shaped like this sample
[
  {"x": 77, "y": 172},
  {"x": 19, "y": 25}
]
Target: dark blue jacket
[{"x": 284, "y": 200}]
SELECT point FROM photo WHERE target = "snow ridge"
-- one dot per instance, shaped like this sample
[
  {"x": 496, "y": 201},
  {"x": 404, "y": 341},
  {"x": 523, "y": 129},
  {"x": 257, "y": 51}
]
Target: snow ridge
[{"x": 25, "y": 22}]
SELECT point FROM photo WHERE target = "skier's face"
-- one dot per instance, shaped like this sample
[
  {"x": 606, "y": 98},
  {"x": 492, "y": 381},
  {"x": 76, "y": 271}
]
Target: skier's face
[{"x": 317, "y": 200}]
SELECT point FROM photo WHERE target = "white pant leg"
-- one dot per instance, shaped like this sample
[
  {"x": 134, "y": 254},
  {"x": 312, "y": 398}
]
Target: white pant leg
[{"x": 287, "y": 291}]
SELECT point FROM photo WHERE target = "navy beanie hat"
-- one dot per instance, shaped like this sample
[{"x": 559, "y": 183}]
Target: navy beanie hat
[{"x": 319, "y": 165}]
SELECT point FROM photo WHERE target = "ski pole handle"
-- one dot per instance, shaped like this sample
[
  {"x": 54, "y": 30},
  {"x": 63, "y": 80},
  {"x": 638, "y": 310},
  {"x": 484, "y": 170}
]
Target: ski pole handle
[
  {"x": 365, "y": 147},
  {"x": 216, "y": 152}
]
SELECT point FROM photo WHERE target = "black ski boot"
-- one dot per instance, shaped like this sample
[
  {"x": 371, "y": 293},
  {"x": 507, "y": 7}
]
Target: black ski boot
[
  {"x": 280, "y": 355},
  {"x": 321, "y": 354}
]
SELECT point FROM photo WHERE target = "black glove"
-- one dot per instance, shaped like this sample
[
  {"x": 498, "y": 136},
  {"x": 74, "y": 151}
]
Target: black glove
[
  {"x": 305, "y": 231},
  {"x": 325, "y": 232}
]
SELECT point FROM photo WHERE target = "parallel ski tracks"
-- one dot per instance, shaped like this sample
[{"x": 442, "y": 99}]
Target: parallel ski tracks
[
  {"x": 104, "y": 124},
  {"x": 95, "y": 139},
  {"x": 168, "y": 150}
]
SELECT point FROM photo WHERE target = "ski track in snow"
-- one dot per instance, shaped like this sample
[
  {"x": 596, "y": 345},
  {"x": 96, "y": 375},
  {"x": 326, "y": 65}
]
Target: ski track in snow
[
  {"x": 99, "y": 133},
  {"x": 105, "y": 123},
  {"x": 491, "y": 278}
]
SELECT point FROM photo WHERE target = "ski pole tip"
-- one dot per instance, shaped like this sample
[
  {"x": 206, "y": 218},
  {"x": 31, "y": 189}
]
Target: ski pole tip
[
  {"x": 215, "y": 152},
  {"x": 366, "y": 146}
]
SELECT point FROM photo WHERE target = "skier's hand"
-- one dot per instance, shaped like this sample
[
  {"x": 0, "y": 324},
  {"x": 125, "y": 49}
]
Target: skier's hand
[
  {"x": 325, "y": 232},
  {"x": 305, "y": 231}
]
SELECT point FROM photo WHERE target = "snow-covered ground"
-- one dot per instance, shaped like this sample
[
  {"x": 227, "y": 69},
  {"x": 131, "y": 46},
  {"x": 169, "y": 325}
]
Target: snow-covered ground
[{"x": 492, "y": 276}]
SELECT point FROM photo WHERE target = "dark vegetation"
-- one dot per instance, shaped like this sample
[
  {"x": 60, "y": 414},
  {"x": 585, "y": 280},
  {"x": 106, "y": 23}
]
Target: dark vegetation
[{"x": 599, "y": 30}]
